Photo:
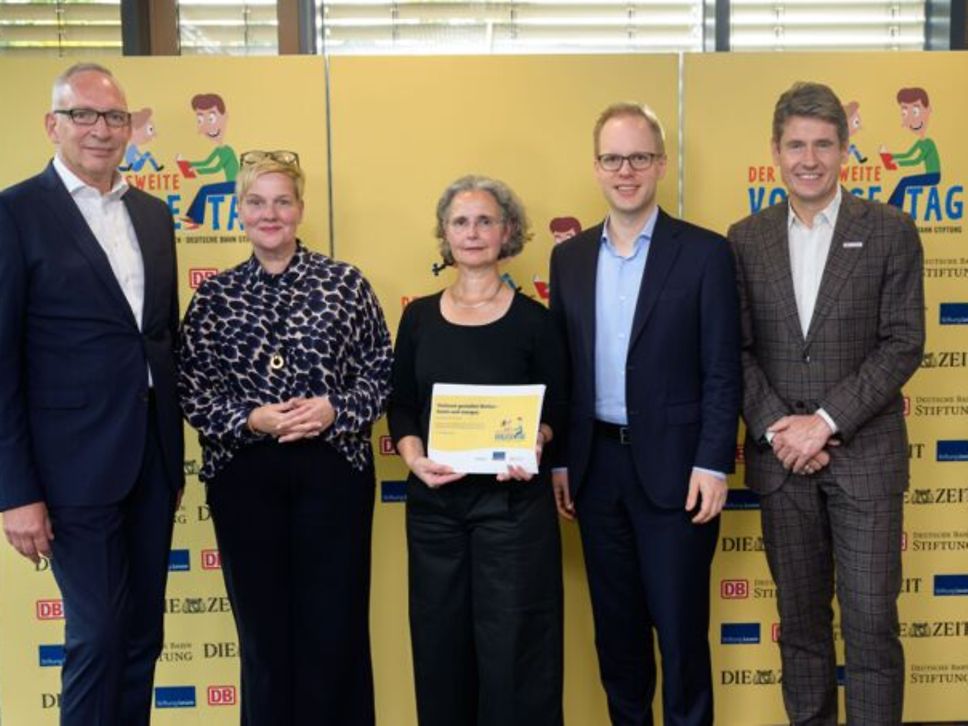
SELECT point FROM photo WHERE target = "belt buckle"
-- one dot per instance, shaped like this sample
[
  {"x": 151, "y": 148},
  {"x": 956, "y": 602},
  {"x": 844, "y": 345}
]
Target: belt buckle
[{"x": 624, "y": 436}]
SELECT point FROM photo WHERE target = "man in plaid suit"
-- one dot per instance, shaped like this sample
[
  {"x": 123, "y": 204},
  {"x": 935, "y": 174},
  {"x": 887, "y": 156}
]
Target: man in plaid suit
[{"x": 832, "y": 311}]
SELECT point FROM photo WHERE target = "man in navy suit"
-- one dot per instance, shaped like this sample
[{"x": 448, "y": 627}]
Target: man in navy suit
[
  {"x": 91, "y": 452},
  {"x": 648, "y": 307}
]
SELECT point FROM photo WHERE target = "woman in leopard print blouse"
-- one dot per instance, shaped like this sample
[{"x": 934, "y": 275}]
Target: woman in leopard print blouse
[{"x": 284, "y": 364}]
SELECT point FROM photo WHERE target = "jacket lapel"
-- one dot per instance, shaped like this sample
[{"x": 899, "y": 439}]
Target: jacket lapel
[
  {"x": 776, "y": 255},
  {"x": 587, "y": 276},
  {"x": 141, "y": 227},
  {"x": 663, "y": 251},
  {"x": 62, "y": 206},
  {"x": 852, "y": 226}
]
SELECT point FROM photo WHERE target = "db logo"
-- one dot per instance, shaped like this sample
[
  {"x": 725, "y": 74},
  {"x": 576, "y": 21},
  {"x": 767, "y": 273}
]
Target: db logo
[
  {"x": 221, "y": 695},
  {"x": 50, "y": 609},
  {"x": 386, "y": 446},
  {"x": 907, "y": 405},
  {"x": 198, "y": 275},
  {"x": 734, "y": 589},
  {"x": 211, "y": 560},
  {"x": 776, "y": 632},
  {"x": 903, "y": 541},
  {"x": 740, "y": 454}
]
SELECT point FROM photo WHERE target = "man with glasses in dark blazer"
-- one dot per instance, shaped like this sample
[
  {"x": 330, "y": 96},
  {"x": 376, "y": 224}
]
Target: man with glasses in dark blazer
[
  {"x": 647, "y": 305},
  {"x": 91, "y": 453},
  {"x": 832, "y": 310}
]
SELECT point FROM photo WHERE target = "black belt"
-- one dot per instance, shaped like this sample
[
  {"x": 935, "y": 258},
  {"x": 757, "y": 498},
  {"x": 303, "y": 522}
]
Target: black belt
[{"x": 622, "y": 434}]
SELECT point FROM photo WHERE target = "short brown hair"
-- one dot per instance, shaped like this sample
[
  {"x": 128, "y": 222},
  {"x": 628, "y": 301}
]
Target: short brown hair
[
  {"x": 811, "y": 100},
  {"x": 913, "y": 95},
  {"x": 205, "y": 101},
  {"x": 634, "y": 110}
]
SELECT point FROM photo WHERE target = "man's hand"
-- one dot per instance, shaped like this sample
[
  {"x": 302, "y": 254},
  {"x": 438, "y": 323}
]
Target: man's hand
[
  {"x": 566, "y": 507},
  {"x": 29, "y": 530},
  {"x": 798, "y": 439},
  {"x": 710, "y": 492}
]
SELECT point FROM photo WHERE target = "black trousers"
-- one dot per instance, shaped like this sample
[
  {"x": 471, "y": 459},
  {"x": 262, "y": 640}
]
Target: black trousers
[
  {"x": 111, "y": 564},
  {"x": 293, "y": 524},
  {"x": 485, "y": 603}
]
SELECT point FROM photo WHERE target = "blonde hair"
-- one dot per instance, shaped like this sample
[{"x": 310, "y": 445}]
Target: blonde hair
[{"x": 250, "y": 172}]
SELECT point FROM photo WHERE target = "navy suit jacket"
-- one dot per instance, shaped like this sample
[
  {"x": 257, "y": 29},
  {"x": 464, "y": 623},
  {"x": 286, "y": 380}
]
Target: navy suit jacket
[
  {"x": 683, "y": 373},
  {"x": 73, "y": 363}
]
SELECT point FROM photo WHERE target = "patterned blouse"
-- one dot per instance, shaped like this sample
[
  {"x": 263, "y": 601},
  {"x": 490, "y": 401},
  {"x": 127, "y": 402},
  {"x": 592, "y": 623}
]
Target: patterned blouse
[{"x": 250, "y": 338}]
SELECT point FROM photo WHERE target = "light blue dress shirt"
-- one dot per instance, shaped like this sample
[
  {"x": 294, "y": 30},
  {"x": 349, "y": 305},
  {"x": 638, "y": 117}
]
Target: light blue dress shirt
[{"x": 617, "y": 283}]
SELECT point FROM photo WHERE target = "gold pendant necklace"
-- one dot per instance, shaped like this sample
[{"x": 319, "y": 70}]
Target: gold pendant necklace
[{"x": 480, "y": 303}]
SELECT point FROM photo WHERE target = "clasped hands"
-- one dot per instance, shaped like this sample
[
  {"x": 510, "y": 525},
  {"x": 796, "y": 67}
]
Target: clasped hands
[
  {"x": 292, "y": 420},
  {"x": 801, "y": 443}
]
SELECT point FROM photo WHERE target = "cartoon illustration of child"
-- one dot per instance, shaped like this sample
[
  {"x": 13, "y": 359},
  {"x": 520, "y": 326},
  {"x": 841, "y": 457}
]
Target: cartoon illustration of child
[
  {"x": 142, "y": 132},
  {"x": 852, "y": 110},
  {"x": 212, "y": 120},
  {"x": 561, "y": 228},
  {"x": 915, "y": 114}
]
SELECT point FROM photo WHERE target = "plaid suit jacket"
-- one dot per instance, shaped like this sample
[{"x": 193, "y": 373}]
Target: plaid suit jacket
[{"x": 866, "y": 338}]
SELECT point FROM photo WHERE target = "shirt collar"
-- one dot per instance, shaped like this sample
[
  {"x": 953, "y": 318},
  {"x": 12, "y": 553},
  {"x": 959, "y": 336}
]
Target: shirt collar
[
  {"x": 294, "y": 270},
  {"x": 828, "y": 214},
  {"x": 642, "y": 238},
  {"x": 74, "y": 183}
]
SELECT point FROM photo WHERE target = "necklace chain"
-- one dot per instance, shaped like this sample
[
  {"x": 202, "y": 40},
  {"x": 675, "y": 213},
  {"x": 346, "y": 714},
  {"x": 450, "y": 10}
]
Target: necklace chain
[{"x": 480, "y": 303}]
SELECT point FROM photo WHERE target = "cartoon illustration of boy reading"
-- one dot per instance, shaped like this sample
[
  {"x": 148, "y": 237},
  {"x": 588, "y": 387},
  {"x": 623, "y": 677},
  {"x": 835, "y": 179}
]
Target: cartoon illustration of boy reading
[
  {"x": 915, "y": 114},
  {"x": 212, "y": 119}
]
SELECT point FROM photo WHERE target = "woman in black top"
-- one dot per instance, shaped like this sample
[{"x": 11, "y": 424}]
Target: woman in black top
[
  {"x": 484, "y": 551},
  {"x": 284, "y": 364}
]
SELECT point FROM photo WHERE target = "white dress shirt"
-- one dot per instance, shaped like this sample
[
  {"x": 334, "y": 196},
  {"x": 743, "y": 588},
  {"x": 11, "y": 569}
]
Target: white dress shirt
[
  {"x": 108, "y": 219},
  {"x": 809, "y": 247}
]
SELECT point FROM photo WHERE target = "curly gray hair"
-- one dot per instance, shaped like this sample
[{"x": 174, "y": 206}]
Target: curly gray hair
[{"x": 511, "y": 209}]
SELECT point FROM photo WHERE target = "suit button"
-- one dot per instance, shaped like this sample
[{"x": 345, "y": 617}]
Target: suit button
[
  {"x": 806, "y": 357},
  {"x": 798, "y": 404}
]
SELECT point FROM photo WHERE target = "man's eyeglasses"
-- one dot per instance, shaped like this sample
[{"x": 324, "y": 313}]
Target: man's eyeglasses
[
  {"x": 114, "y": 118},
  {"x": 289, "y": 158},
  {"x": 639, "y": 161}
]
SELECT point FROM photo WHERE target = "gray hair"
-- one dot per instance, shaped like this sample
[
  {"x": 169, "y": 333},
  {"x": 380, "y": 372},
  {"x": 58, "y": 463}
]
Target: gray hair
[
  {"x": 63, "y": 82},
  {"x": 511, "y": 209}
]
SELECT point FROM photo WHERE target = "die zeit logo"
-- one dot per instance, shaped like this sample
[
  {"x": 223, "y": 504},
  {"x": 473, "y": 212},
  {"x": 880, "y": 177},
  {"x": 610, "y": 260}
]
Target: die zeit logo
[
  {"x": 742, "y": 544},
  {"x": 198, "y": 275},
  {"x": 197, "y": 605},
  {"x": 50, "y": 609},
  {"x": 935, "y": 629},
  {"x": 750, "y": 677},
  {"x": 945, "y": 359},
  {"x": 941, "y": 495},
  {"x": 734, "y": 589},
  {"x": 221, "y": 695},
  {"x": 211, "y": 560}
]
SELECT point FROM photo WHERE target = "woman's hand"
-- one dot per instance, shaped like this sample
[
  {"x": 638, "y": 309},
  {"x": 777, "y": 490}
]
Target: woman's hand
[
  {"x": 307, "y": 419},
  {"x": 519, "y": 473},
  {"x": 297, "y": 418},
  {"x": 433, "y": 474},
  {"x": 411, "y": 450}
]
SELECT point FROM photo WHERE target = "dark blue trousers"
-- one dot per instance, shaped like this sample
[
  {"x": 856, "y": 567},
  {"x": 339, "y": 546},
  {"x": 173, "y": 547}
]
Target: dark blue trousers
[
  {"x": 111, "y": 564},
  {"x": 648, "y": 571}
]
